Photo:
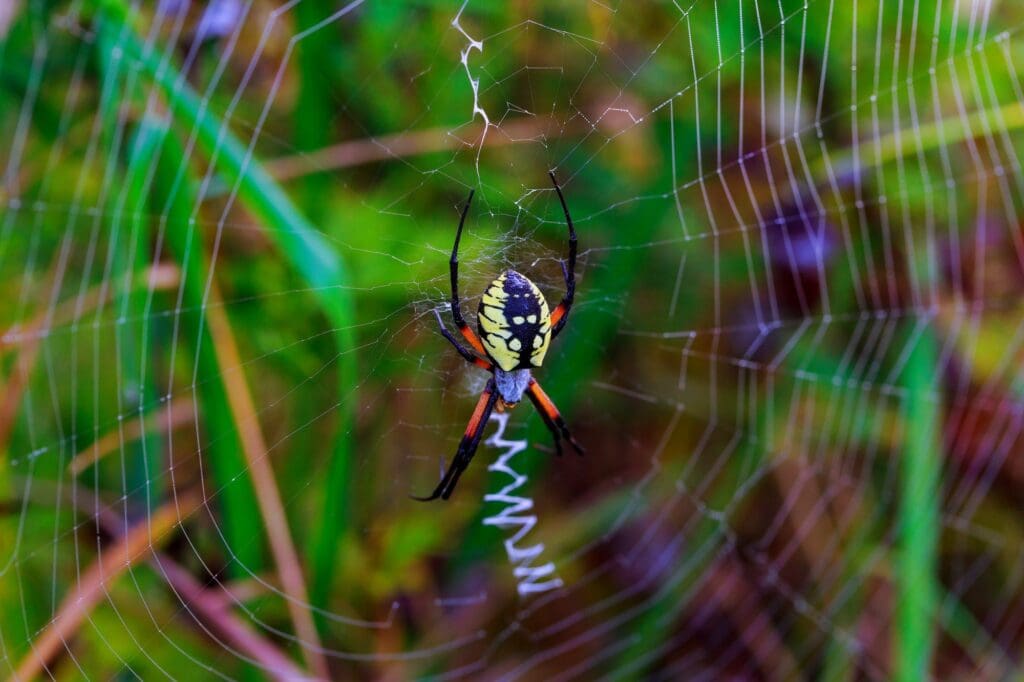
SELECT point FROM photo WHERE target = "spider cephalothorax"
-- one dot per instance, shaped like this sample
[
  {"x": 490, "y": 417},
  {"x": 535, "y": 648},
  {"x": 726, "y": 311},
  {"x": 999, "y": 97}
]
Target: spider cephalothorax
[{"x": 516, "y": 328}]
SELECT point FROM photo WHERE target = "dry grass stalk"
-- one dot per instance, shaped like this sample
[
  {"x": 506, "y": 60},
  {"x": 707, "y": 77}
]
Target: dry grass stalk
[
  {"x": 210, "y": 605},
  {"x": 94, "y": 581},
  {"x": 27, "y": 338},
  {"x": 413, "y": 143},
  {"x": 257, "y": 458},
  {"x": 24, "y": 334},
  {"x": 177, "y": 413},
  {"x": 215, "y": 610}
]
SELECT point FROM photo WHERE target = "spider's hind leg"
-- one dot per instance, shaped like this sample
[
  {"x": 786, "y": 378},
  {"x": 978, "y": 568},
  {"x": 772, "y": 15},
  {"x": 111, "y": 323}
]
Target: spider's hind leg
[
  {"x": 467, "y": 446},
  {"x": 552, "y": 418}
]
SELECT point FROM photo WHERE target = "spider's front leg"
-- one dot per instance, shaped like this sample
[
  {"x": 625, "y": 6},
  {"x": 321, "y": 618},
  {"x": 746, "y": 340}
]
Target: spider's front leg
[
  {"x": 467, "y": 446},
  {"x": 466, "y": 355},
  {"x": 453, "y": 271},
  {"x": 560, "y": 315}
]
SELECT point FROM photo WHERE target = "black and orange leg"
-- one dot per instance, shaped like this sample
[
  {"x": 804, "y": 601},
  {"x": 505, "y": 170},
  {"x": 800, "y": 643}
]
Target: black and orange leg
[
  {"x": 468, "y": 356},
  {"x": 467, "y": 446},
  {"x": 560, "y": 315},
  {"x": 552, "y": 419},
  {"x": 453, "y": 268}
]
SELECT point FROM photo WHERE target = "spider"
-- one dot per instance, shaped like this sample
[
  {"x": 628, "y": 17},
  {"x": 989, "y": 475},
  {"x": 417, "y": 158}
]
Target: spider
[{"x": 515, "y": 330}]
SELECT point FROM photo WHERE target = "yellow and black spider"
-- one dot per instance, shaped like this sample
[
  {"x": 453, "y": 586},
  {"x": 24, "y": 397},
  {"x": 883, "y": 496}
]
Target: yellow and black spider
[{"x": 515, "y": 330}]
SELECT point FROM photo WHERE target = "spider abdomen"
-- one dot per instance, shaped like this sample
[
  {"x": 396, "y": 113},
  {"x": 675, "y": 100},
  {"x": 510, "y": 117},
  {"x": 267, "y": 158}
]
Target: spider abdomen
[{"x": 514, "y": 322}]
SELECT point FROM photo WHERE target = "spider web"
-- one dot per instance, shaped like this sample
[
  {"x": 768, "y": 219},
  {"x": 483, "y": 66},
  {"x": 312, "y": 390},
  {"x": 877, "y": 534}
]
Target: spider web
[{"x": 793, "y": 359}]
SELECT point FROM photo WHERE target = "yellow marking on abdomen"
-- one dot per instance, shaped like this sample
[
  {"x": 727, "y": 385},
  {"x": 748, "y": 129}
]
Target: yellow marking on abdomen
[
  {"x": 537, "y": 356},
  {"x": 492, "y": 321},
  {"x": 498, "y": 349}
]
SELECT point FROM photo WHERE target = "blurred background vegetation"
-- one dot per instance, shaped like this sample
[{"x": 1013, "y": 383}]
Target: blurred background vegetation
[{"x": 794, "y": 358}]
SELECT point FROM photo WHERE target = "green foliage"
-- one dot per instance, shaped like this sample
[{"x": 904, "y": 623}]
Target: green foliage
[{"x": 765, "y": 442}]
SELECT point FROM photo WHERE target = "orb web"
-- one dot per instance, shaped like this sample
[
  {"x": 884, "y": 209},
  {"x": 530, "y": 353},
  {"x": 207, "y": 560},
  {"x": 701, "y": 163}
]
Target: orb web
[{"x": 793, "y": 358}]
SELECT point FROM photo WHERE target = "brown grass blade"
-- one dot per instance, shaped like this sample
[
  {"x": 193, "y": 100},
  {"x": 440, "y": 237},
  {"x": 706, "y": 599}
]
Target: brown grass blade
[
  {"x": 400, "y": 145},
  {"x": 160, "y": 277},
  {"x": 729, "y": 588},
  {"x": 269, "y": 498},
  {"x": 178, "y": 412},
  {"x": 92, "y": 586},
  {"x": 212, "y": 606},
  {"x": 11, "y": 390},
  {"x": 28, "y": 336},
  {"x": 215, "y": 610}
]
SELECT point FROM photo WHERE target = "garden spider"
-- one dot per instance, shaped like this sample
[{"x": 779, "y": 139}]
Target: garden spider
[{"x": 515, "y": 330}]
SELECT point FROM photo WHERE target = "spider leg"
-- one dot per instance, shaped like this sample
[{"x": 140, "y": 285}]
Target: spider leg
[
  {"x": 560, "y": 314},
  {"x": 551, "y": 416},
  {"x": 552, "y": 427},
  {"x": 453, "y": 268},
  {"x": 469, "y": 357},
  {"x": 467, "y": 446}
]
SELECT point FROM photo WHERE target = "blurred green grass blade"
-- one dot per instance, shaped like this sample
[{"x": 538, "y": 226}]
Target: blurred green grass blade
[
  {"x": 304, "y": 247},
  {"x": 142, "y": 458},
  {"x": 174, "y": 198},
  {"x": 314, "y": 108},
  {"x": 129, "y": 239},
  {"x": 839, "y": 664},
  {"x": 923, "y": 137},
  {"x": 919, "y": 520}
]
